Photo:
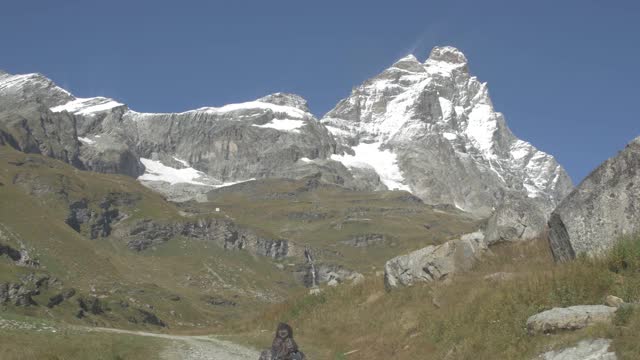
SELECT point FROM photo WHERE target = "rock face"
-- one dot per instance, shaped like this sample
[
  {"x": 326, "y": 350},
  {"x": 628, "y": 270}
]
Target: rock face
[
  {"x": 603, "y": 208},
  {"x": 435, "y": 262},
  {"x": 431, "y": 128},
  {"x": 99, "y": 220},
  {"x": 224, "y": 233},
  {"x": 516, "y": 220},
  {"x": 366, "y": 240},
  {"x": 597, "y": 349},
  {"x": 274, "y": 136},
  {"x": 21, "y": 293},
  {"x": 312, "y": 275},
  {"x": 571, "y": 318}
]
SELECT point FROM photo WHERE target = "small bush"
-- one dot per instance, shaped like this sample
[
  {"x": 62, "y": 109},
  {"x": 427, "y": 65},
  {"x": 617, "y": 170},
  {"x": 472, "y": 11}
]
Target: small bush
[
  {"x": 623, "y": 315},
  {"x": 625, "y": 255}
]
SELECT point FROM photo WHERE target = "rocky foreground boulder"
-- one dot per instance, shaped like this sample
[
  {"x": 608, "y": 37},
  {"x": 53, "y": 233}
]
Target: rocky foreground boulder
[
  {"x": 601, "y": 210},
  {"x": 570, "y": 318},
  {"x": 597, "y": 349},
  {"x": 434, "y": 263},
  {"x": 516, "y": 220}
]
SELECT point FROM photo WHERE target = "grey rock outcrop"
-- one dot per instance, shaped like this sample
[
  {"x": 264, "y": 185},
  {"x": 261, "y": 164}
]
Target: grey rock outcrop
[
  {"x": 431, "y": 128},
  {"x": 515, "y": 220},
  {"x": 366, "y": 240},
  {"x": 61, "y": 297},
  {"x": 21, "y": 293},
  {"x": 16, "y": 294},
  {"x": 108, "y": 155},
  {"x": 601, "y": 210},
  {"x": 570, "y": 318},
  {"x": 15, "y": 249},
  {"x": 100, "y": 219},
  {"x": 285, "y": 99},
  {"x": 311, "y": 275},
  {"x": 27, "y": 124},
  {"x": 597, "y": 349},
  {"x": 434, "y": 263},
  {"x": 224, "y": 233}
]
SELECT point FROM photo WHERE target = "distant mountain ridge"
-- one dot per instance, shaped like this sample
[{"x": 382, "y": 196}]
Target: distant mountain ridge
[{"x": 428, "y": 128}]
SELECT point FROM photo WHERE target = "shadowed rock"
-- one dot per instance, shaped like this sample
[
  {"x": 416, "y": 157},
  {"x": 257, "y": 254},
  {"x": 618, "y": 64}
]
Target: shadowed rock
[{"x": 601, "y": 210}]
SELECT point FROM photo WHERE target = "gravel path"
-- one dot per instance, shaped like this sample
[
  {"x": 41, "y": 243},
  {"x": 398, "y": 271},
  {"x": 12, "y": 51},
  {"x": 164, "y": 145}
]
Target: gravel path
[{"x": 194, "y": 347}]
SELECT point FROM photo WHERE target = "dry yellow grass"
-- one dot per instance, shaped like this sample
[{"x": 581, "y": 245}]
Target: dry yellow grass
[{"x": 469, "y": 318}]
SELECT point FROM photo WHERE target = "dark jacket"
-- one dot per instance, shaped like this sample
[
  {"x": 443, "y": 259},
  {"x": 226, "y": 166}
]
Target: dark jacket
[{"x": 285, "y": 348}]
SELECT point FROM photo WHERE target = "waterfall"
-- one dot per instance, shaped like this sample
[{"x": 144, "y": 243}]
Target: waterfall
[{"x": 309, "y": 257}]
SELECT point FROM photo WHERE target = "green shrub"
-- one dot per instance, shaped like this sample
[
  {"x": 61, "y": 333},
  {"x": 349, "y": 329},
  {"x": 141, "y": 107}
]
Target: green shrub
[
  {"x": 625, "y": 255},
  {"x": 623, "y": 315}
]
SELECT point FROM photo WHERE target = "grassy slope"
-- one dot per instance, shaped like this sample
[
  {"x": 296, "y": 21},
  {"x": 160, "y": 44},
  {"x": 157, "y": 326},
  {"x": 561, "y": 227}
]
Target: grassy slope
[
  {"x": 268, "y": 205},
  {"x": 36, "y": 191},
  {"x": 188, "y": 268},
  {"x": 470, "y": 318}
]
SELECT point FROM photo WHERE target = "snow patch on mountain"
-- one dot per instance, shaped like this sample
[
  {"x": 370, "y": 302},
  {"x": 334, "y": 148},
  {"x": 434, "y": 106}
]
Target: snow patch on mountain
[
  {"x": 87, "y": 106},
  {"x": 86, "y": 140},
  {"x": 157, "y": 171},
  {"x": 283, "y": 124},
  {"x": 384, "y": 162},
  {"x": 482, "y": 127},
  {"x": 289, "y": 111}
]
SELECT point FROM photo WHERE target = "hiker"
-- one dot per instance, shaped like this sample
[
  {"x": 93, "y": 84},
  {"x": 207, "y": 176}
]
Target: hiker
[{"x": 283, "y": 346}]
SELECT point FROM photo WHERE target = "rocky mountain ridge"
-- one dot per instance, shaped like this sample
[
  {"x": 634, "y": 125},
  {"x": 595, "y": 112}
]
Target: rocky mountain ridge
[{"x": 428, "y": 128}]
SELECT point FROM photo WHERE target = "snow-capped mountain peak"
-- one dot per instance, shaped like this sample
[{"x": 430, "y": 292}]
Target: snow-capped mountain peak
[
  {"x": 448, "y": 144},
  {"x": 408, "y": 63},
  {"x": 447, "y": 54},
  {"x": 286, "y": 99}
]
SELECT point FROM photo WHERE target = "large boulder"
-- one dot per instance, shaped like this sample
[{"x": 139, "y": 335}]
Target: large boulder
[
  {"x": 597, "y": 349},
  {"x": 516, "y": 220},
  {"x": 434, "y": 263},
  {"x": 570, "y": 318},
  {"x": 603, "y": 208}
]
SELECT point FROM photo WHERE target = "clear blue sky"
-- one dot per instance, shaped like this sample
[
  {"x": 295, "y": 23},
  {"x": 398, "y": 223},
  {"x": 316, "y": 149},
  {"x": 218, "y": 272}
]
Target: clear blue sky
[{"x": 565, "y": 73}]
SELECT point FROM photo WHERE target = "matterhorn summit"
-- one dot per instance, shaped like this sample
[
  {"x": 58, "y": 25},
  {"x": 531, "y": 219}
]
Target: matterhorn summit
[{"x": 430, "y": 128}]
